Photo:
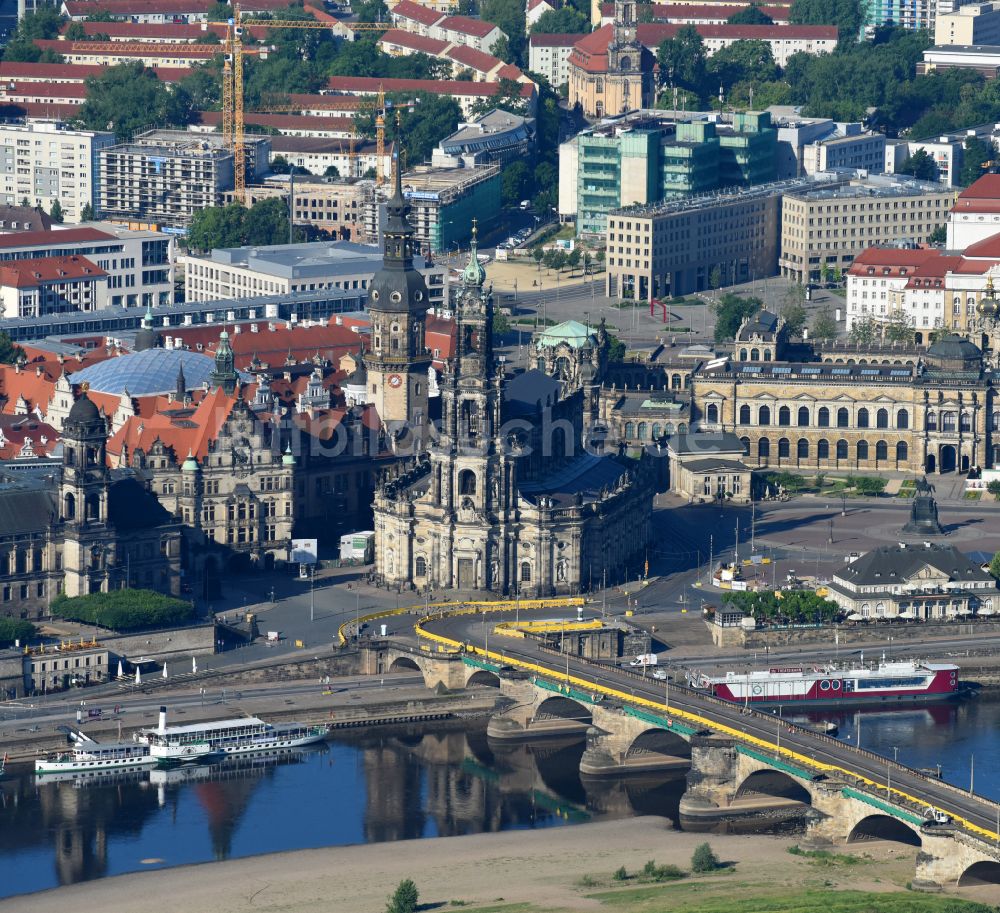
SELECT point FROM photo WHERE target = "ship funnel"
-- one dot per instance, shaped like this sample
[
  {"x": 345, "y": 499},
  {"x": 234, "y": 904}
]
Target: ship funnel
[{"x": 162, "y": 727}]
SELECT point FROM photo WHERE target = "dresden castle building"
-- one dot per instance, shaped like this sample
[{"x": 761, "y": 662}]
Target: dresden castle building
[{"x": 511, "y": 492}]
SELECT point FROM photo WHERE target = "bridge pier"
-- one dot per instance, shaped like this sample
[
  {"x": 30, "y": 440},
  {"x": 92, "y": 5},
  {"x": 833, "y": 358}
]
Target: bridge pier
[
  {"x": 948, "y": 858},
  {"x": 620, "y": 743}
]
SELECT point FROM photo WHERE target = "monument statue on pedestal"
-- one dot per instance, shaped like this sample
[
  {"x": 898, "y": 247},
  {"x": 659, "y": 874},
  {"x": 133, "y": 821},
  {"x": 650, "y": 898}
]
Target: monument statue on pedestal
[{"x": 923, "y": 512}]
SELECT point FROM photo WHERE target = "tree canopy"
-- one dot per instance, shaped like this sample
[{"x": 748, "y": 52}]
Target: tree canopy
[
  {"x": 730, "y": 311},
  {"x": 750, "y": 15},
  {"x": 266, "y": 222},
  {"x": 124, "y": 610},
  {"x": 44, "y": 23},
  {"x": 919, "y": 165},
  {"x": 564, "y": 20},
  {"x": 12, "y": 629},
  {"x": 129, "y": 97},
  {"x": 794, "y": 606},
  {"x": 845, "y": 14},
  {"x": 682, "y": 61},
  {"x": 508, "y": 16},
  {"x": 9, "y": 353}
]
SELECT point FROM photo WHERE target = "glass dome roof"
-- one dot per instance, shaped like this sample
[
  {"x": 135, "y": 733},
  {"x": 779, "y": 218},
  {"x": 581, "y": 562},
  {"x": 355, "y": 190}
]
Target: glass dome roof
[{"x": 146, "y": 373}]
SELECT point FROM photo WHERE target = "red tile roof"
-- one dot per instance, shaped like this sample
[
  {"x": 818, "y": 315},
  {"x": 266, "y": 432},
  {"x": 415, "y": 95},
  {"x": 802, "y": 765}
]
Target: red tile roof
[
  {"x": 33, "y": 272},
  {"x": 931, "y": 273},
  {"x": 75, "y": 72},
  {"x": 893, "y": 259},
  {"x": 126, "y": 49},
  {"x": 61, "y": 236},
  {"x": 671, "y": 12},
  {"x": 988, "y": 247},
  {"x": 285, "y": 121},
  {"x": 163, "y": 31},
  {"x": 37, "y": 90},
  {"x": 421, "y": 43},
  {"x": 49, "y": 110},
  {"x": 417, "y": 12},
  {"x": 369, "y": 85},
  {"x": 466, "y": 25},
  {"x": 18, "y": 429},
  {"x": 982, "y": 196},
  {"x": 136, "y": 7},
  {"x": 511, "y": 72},
  {"x": 477, "y": 60},
  {"x": 545, "y": 40}
]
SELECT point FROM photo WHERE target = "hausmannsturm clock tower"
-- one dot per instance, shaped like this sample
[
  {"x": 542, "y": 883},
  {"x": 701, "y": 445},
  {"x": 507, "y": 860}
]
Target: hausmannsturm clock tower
[{"x": 397, "y": 360}]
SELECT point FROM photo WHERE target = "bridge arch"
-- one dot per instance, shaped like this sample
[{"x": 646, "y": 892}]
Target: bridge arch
[
  {"x": 774, "y": 783},
  {"x": 980, "y": 873},
  {"x": 404, "y": 664},
  {"x": 485, "y": 677},
  {"x": 658, "y": 742},
  {"x": 558, "y": 707},
  {"x": 884, "y": 827}
]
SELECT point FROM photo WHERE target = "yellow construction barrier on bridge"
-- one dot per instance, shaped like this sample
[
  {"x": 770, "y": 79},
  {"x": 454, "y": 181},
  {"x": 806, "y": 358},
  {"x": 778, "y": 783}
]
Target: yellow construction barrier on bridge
[
  {"x": 701, "y": 721},
  {"x": 520, "y": 628},
  {"x": 462, "y": 608}
]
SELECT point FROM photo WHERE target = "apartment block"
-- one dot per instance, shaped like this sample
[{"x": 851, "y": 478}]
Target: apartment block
[
  {"x": 165, "y": 176},
  {"x": 548, "y": 56},
  {"x": 49, "y": 285},
  {"x": 824, "y": 229},
  {"x": 972, "y": 24},
  {"x": 43, "y": 162}
]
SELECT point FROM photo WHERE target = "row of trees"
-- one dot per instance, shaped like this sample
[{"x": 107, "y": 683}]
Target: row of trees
[
  {"x": 124, "y": 610},
  {"x": 731, "y": 310},
  {"x": 790, "y": 606},
  {"x": 264, "y": 223}
]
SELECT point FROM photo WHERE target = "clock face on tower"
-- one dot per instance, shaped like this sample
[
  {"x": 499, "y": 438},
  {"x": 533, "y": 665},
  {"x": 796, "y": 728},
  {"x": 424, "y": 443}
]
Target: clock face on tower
[{"x": 395, "y": 380}]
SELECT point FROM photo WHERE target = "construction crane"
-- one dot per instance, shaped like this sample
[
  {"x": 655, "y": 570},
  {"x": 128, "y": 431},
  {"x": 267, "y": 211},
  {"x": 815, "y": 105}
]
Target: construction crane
[{"x": 232, "y": 82}]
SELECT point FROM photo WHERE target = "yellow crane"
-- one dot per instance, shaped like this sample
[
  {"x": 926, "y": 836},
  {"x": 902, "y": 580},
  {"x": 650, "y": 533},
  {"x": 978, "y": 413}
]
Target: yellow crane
[{"x": 232, "y": 82}]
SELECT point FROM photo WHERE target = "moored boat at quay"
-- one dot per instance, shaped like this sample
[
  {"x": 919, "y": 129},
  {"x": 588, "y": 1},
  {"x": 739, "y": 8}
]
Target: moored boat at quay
[
  {"x": 886, "y": 683},
  {"x": 243, "y": 735}
]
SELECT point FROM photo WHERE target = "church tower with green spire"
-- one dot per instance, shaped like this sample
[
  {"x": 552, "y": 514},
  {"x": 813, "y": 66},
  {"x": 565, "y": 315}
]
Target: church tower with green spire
[
  {"x": 397, "y": 361},
  {"x": 225, "y": 375}
]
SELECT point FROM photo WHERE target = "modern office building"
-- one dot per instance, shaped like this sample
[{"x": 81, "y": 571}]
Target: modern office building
[
  {"x": 282, "y": 269},
  {"x": 824, "y": 228},
  {"x": 971, "y": 24},
  {"x": 681, "y": 246},
  {"x": 44, "y": 162},
  {"x": 497, "y": 136},
  {"x": 849, "y": 147},
  {"x": 648, "y": 156},
  {"x": 138, "y": 264},
  {"x": 166, "y": 176}
]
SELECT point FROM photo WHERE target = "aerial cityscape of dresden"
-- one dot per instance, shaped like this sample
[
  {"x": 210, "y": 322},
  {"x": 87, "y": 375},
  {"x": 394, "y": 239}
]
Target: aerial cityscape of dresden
[{"x": 517, "y": 456}]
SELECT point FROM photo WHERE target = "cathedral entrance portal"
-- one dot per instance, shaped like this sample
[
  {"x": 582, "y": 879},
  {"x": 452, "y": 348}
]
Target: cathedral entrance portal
[
  {"x": 948, "y": 460},
  {"x": 466, "y": 574}
]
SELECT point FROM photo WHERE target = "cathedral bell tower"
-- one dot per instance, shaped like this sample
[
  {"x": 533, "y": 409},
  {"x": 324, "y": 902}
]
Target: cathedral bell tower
[
  {"x": 398, "y": 361},
  {"x": 629, "y": 79}
]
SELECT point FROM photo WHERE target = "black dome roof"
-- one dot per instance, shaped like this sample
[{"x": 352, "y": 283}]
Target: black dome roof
[
  {"x": 84, "y": 411},
  {"x": 954, "y": 347}
]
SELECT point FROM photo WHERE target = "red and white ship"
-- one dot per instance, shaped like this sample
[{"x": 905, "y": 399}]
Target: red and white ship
[{"x": 888, "y": 683}]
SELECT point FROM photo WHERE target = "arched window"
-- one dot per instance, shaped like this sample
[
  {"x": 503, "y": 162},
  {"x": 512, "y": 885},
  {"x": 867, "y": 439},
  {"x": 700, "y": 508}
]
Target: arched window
[
  {"x": 784, "y": 449},
  {"x": 629, "y": 431},
  {"x": 675, "y": 381},
  {"x": 93, "y": 507},
  {"x": 745, "y": 441},
  {"x": 763, "y": 448},
  {"x": 965, "y": 422},
  {"x": 862, "y": 450},
  {"x": 743, "y": 354},
  {"x": 881, "y": 450},
  {"x": 767, "y": 354},
  {"x": 822, "y": 449},
  {"x": 642, "y": 429},
  {"x": 744, "y": 414},
  {"x": 754, "y": 355},
  {"x": 995, "y": 424},
  {"x": 525, "y": 572},
  {"x": 841, "y": 450},
  {"x": 902, "y": 419},
  {"x": 466, "y": 482},
  {"x": 802, "y": 449},
  {"x": 948, "y": 421},
  {"x": 823, "y": 417},
  {"x": 420, "y": 566},
  {"x": 69, "y": 506},
  {"x": 712, "y": 413},
  {"x": 902, "y": 452},
  {"x": 843, "y": 418},
  {"x": 932, "y": 421},
  {"x": 882, "y": 418},
  {"x": 803, "y": 416},
  {"x": 764, "y": 415},
  {"x": 657, "y": 431},
  {"x": 862, "y": 417},
  {"x": 784, "y": 416}
]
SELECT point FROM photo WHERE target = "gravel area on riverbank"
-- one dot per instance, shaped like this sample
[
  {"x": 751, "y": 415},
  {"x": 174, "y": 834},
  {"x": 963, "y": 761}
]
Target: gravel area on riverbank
[{"x": 541, "y": 868}]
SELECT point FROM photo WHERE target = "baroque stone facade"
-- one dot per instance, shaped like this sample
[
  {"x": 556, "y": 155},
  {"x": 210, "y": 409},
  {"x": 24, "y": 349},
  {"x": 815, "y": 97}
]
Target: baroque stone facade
[
  {"x": 506, "y": 498},
  {"x": 873, "y": 411}
]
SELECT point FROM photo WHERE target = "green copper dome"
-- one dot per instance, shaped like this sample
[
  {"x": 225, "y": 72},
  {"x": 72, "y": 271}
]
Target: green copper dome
[
  {"x": 474, "y": 273},
  {"x": 190, "y": 464},
  {"x": 287, "y": 459}
]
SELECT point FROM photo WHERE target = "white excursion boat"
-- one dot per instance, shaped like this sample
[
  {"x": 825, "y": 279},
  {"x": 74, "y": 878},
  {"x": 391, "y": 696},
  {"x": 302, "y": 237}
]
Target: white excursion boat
[
  {"x": 244, "y": 735},
  {"x": 88, "y": 756}
]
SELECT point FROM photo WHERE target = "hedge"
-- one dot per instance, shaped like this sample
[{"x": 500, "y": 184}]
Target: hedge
[
  {"x": 12, "y": 629},
  {"x": 125, "y": 610}
]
